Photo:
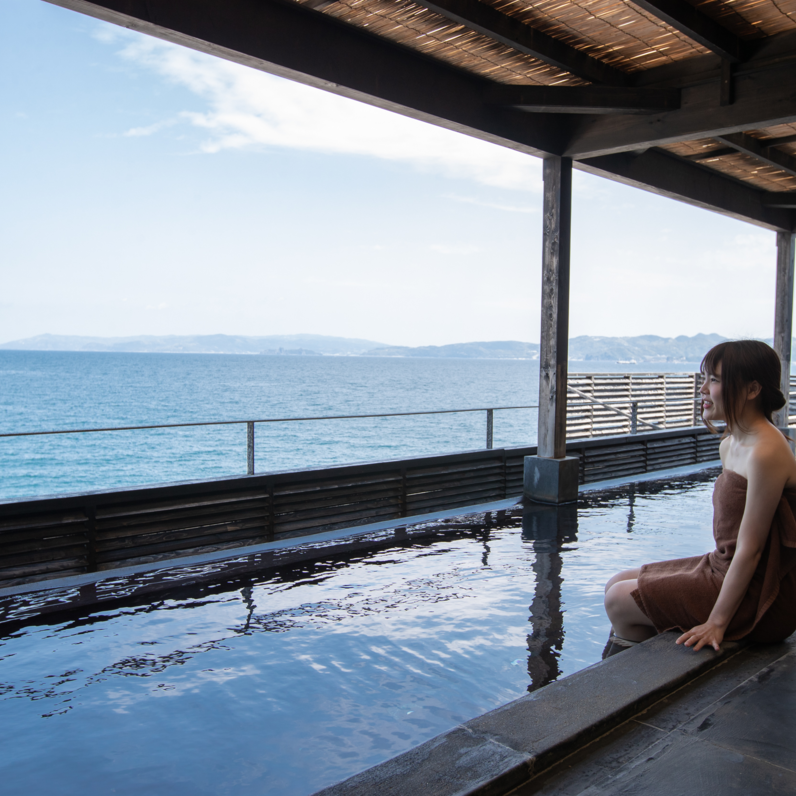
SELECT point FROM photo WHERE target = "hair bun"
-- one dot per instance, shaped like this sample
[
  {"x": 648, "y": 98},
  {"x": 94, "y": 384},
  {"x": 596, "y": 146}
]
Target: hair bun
[{"x": 776, "y": 399}]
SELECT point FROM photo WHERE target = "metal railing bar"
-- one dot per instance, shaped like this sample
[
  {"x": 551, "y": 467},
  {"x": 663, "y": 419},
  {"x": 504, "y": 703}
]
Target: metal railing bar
[{"x": 264, "y": 420}]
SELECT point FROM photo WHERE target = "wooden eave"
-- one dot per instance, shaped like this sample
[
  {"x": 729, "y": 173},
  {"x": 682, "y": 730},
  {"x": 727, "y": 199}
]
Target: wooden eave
[{"x": 694, "y": 100}]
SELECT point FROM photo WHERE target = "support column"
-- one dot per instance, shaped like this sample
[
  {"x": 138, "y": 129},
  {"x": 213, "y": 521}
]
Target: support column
[
  {"x": 783, "y": 318},
  {"x": 551, "y": 476}
]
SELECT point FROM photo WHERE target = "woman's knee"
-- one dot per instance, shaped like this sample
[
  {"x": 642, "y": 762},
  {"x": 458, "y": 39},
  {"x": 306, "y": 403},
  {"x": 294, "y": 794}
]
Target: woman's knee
[
  {"x": 627, "y": 574},
  {"x": 618, "y": 598}
]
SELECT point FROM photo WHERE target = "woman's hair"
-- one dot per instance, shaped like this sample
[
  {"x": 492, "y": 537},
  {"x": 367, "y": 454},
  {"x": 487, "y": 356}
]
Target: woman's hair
[{"x": 742, "y": 362}]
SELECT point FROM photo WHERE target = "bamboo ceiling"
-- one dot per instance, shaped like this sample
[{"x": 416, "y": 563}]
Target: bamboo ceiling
[{"x": 618, "y": 33}]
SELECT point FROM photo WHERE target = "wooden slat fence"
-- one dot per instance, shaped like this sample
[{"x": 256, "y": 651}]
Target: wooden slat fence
[
  {"x": 92, "y": 532},
  {"x": 792, "y": 405},
  {"x": 665, "y": 399}
]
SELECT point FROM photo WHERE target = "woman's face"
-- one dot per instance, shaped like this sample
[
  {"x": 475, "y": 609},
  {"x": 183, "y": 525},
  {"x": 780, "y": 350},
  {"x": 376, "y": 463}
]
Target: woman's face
[{"x": 712, "y": 407}]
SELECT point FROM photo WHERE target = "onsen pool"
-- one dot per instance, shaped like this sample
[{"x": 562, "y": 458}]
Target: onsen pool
[{"x": 291, "y": 679}]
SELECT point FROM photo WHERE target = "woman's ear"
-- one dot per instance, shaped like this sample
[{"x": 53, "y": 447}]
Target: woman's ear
[{"x": 753, "y": 390}]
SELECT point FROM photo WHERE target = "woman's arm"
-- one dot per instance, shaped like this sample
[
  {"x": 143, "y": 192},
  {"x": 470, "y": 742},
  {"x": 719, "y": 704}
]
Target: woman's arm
[{"x": 766, "y": 480}]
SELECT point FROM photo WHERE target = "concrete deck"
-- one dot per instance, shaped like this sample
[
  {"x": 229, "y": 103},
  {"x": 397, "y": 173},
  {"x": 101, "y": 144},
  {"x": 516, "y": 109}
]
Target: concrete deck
[
  {"x": 656, "y": 719},
  {"x": 732, "y": 730}
]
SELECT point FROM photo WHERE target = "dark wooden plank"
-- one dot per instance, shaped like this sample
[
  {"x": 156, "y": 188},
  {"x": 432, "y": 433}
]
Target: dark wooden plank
[
  {"x": 21, "y": 522},
  {"x": 187, "y": 537},
  {"x": 585, "y": 99},
  {"x": 132, "y": 531},
  {"x": 698, "y": 26},
  {"x": 423, "y": 507},
  {"x": 177, "y": 503},
  {"x": 508, "y": 30},
  {"x": 428, "y": 499},
  {"x": 336, "y": 497},
  {"x": 39, "y": 555},
  {"x": 180, "y": 547},
  {"x": 172, "y": 518},
  {"x": 38, "y": 544},
  {"x": 48, "y": 532},
  {"x": 340, "y": 520},
  {"x": 332, "y": 481},
  {"x": 592, "y": 476},
  {"x": 440, "y": 482},
  {"x": 344, "y": 509},
  {"x": 462, "y": 489},
  {"x": 685, "y": 441},
  {"x": 481, "y": 464},
  {"x": 355, "y": 497}
]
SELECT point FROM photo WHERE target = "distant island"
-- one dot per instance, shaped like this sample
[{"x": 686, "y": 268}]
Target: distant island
[
  {"x": 285, "y": 344},
  {"x": 646, "y": 348}
]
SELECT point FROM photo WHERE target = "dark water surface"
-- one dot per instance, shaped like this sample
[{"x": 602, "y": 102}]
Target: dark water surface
[
  {"x": 49, "y": 390},
  {"x": 291, "y": 680}
]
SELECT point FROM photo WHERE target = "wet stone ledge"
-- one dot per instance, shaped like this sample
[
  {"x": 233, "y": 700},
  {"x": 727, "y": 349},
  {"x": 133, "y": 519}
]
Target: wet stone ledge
[{"x": 500, "y": 750}]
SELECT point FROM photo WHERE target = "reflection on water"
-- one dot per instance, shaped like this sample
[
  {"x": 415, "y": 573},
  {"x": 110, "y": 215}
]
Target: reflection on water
[
  {"x": 291, "y": 679},
  {"x": 547, "y": 528}
]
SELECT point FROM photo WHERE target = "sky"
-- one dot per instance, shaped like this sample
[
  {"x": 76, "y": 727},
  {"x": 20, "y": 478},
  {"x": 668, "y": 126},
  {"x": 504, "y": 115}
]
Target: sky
[{"x": 150, "y": 189}]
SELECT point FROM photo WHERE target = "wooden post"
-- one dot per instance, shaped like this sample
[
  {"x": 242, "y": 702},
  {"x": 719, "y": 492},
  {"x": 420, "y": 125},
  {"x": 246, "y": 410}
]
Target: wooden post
[
  {"x": 783, "y": 317},
  {"x": 551, "y": 476},
  {"x": 553, "y": 349}
]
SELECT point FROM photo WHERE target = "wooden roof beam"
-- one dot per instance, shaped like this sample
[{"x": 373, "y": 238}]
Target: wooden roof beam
[
  {"x": 784, "y": 199},
  {"x": 695, "y": 24},
  {"x": 668, "y": 175},
  {"x": 508, "y": 30},
  {"x": 762, "y": 98},
  {"x": 785, "y": 139},
  {"x": 714, "y": 153},
  {"x": 747, "y": 145},
  {"x": 585, "y": 99}
]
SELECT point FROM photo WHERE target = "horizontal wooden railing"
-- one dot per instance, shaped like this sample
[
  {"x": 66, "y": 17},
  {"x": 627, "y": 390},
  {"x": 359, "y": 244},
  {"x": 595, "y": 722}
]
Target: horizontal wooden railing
[{"x": 42, "y": 538}]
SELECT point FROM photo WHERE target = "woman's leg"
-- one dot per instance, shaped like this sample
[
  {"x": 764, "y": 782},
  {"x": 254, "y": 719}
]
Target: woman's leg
[
  {"x": 627, "y": 619},
  {"x": 627, "y": 574}
]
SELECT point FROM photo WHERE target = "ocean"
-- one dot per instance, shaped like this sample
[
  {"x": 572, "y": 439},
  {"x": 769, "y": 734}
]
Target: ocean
[{"x": 49, "y": 390}]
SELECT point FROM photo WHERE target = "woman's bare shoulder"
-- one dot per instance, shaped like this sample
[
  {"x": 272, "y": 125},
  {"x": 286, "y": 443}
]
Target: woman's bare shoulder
[{"x": 772, "y": 456}]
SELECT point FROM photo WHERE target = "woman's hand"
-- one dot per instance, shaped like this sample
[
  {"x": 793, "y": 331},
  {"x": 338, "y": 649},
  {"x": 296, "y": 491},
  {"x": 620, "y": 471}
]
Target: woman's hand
[{"x": 709, "y": 634}]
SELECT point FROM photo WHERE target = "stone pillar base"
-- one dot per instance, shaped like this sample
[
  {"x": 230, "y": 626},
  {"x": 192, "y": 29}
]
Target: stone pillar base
[{"x": 551, "y": 480}]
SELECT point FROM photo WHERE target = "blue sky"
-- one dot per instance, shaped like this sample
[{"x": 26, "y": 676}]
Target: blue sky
[{"x": 149, "y": 189}]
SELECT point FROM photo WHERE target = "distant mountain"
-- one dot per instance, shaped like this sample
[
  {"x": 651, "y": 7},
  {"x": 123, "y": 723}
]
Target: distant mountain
[
  {"x": 503, "y": 350},
  {"x": 286, "y": 344},
  {"x": 644, "y": 348}
]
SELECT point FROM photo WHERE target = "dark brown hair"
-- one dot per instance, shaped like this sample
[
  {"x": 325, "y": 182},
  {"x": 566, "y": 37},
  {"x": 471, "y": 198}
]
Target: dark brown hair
[{"x": 742, "y": 362}]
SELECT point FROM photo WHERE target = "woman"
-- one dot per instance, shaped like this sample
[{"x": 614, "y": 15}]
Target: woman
[{"x": 745, "y": 588}]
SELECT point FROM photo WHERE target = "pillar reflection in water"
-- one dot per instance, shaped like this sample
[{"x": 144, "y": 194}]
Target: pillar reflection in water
[
  {"x": 631, "y": 508},
  {"x": 547, "y": 528}
]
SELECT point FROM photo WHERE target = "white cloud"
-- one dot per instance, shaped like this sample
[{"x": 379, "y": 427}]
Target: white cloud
[
  {"x": 150, "y": 129},
  {"x": 246, "y": 108},
  {"x": 493, "y": 205}
]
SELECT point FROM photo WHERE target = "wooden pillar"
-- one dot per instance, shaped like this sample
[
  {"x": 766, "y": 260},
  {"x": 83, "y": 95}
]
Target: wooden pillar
[
  {"x": 551, "y": 476},
  {"x": 783, "y": 317},
  {"x": 553, "y": 350}
]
